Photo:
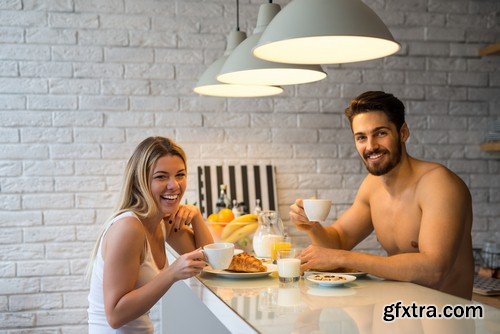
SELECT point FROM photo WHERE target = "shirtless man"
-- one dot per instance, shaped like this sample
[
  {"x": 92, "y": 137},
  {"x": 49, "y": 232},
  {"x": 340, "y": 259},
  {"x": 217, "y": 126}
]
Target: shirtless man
[{"x": 421, "y": 211}]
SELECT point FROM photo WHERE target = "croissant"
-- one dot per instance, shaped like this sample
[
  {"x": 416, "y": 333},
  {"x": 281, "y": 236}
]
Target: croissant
[{"x": 246, "y": 263}]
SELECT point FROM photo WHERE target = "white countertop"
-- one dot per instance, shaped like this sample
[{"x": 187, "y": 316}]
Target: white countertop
[{"x": 264, "y": 305}]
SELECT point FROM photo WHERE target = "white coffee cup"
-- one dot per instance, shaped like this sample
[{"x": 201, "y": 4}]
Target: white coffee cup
[
  {"x": 219, "y": 255},
  {"x": 317, "y": 210}
]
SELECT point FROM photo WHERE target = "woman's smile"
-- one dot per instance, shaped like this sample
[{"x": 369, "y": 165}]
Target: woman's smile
[{"x": 170, "y": 197}]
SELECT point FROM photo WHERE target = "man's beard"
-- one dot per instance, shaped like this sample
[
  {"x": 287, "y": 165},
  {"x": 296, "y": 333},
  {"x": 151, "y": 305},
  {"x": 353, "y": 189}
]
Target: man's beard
[{"x": 383, "y": 167}]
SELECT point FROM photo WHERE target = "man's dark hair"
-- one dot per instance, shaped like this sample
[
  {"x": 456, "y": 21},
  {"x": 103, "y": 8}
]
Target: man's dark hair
[{"x": 377, "y": 101}]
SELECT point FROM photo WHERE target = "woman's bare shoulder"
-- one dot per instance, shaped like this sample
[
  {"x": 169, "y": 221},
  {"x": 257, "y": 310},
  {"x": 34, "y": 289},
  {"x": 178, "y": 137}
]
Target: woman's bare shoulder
[
  {"x": 129, "y": 229},
  {"x": 129, "y": 224},
  {"x": 123, "y": 248}
]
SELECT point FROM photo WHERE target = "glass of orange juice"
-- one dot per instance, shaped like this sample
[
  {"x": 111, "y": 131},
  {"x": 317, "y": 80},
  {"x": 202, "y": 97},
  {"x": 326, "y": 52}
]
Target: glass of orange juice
[{"x": 286, "y": 244}]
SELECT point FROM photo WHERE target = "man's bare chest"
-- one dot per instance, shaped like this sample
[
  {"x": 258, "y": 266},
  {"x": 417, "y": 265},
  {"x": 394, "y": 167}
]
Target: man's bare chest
[{"x": 397, "y": 225}]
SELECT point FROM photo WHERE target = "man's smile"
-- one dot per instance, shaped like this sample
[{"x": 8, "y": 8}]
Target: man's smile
[{"x": 374, "y": 156}]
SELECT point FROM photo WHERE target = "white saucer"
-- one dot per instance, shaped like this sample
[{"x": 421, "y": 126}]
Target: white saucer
[{"x": 330, "y": 279}]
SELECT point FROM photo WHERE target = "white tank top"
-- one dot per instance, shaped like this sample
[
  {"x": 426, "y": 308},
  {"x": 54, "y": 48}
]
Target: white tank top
[{"x": 98, "y": 323}]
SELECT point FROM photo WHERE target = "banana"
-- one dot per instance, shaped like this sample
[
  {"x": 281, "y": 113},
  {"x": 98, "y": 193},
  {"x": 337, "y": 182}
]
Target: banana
[
  {"x": 242, "y": 232},
  {"x": 249, "y": 217},
  {"x": 237, "y": 223},
  {"x": 230, "y": 228}
]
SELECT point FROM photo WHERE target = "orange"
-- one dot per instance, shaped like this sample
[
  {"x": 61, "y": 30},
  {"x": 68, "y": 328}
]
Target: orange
[
  {"x": 225, "y": 215},
  {"x": 213, "y": 218},
  {"x": 216, "y": 230}
]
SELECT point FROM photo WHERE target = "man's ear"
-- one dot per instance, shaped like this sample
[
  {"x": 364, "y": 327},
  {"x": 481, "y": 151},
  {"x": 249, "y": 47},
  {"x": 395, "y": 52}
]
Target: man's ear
[{"x": 404, "y": 132}]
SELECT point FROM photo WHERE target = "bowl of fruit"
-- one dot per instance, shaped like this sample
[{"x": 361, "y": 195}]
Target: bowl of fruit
[{"x": 224, "y": 227}]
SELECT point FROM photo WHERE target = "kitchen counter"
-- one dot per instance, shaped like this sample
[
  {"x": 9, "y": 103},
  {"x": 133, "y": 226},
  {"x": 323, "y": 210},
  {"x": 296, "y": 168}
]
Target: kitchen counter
[
  {"x": 263, "y": 305},
  {"x": 487, "y": 300}
]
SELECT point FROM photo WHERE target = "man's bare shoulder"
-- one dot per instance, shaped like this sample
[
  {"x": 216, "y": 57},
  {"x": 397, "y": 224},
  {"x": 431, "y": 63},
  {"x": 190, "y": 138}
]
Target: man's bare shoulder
[
  {"x": 369, "y": 183},
  {"x": 434, "y": 177}
]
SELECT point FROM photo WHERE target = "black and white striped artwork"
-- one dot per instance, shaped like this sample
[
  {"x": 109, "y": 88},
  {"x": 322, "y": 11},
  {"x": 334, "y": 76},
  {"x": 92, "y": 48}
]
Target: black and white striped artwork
[{"x": 245, "y": 183}]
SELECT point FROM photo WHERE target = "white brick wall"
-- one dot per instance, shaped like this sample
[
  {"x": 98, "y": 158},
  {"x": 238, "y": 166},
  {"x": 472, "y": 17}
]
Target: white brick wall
[{"x": 82, "y": 82}]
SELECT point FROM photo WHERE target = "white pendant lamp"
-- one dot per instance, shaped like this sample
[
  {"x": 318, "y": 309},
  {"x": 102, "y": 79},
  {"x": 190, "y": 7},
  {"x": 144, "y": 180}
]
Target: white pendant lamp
[
  {"x": 325, "y": 32},
  {"x": 241, "y": 67},
  {"x": 209, "y": 85}
]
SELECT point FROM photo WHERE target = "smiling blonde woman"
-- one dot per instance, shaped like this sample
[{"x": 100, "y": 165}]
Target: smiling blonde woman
[{"x": 129, "y": 269}]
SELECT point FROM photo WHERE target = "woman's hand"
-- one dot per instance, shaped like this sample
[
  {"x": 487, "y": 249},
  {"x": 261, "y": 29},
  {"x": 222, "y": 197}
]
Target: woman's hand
[
  {"x": 186, "y": 215},
  {"x": 188, "y": 265},
  {"x": 182, "y": 237},
  {"x": 299, "y": 218}
]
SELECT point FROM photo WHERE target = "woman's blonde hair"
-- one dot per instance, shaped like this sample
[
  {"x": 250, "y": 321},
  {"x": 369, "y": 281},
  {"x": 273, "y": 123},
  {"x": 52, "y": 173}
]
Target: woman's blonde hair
[{"x": 135, "y": 194}]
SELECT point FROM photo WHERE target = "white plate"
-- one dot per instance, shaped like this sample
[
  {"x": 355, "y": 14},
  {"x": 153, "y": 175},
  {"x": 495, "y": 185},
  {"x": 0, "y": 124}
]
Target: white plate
[
  {"x": 315, "y": 278},
  {"x": 357, "y": 274},
  {"x": 271, "y": 268},
  {"x": 238, "y": 251}
]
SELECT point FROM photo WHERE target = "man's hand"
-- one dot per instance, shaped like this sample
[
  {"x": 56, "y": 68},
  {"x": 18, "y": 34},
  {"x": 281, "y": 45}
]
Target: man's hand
[
  {"x": 320, "y": 258},
  {"x": 299, "y": 218}
]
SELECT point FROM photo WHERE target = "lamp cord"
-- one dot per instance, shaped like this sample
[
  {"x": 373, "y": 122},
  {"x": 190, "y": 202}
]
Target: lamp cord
[{"x": 237, "y": 15}]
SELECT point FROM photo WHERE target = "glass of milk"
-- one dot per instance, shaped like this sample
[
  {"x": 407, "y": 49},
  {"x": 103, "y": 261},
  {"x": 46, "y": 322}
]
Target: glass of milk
[{"x": 288, "y": 266}]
